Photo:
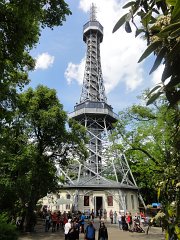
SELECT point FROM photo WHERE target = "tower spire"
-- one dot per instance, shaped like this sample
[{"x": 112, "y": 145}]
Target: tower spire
[
  {"x": 93, "y": 12},
  {"x": 93, "y": 86}
]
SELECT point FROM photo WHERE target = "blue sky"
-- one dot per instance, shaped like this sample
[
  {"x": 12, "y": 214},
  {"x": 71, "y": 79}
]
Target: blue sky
[{"x": 61, "y": 53}]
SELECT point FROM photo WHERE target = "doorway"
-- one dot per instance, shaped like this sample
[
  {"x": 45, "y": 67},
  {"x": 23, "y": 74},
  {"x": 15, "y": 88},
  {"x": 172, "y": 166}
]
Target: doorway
[{"x": 99, "y": 205}]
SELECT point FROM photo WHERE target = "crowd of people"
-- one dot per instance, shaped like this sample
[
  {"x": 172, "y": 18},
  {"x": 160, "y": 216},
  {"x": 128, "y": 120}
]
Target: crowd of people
[
  {"x": 57, "y": 220},
  {"x": 72, "y": 230},
  {"x": 128, "y": 222},
  {"x": 74, "y": 224}
]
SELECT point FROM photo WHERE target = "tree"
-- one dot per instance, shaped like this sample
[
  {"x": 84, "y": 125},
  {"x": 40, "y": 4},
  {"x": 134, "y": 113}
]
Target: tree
[
  {"x": 38, "y": 144},
  {"x": 159, "y": 22},
  {"x": 147, "y": 136},
  {"x": 21, "y": 23}
]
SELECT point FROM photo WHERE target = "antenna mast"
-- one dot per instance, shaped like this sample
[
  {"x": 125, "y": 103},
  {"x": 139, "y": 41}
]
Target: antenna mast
[{"x": 93, "y": 12}]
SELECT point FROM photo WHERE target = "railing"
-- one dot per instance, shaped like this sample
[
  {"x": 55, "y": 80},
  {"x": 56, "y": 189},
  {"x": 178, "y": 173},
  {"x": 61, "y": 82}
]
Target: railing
[
  {"x": 90, "y": 104},
  {"x": 86, "y": 110}
]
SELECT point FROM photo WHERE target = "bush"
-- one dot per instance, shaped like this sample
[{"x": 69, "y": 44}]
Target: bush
[{"x": 8, "y": 231}]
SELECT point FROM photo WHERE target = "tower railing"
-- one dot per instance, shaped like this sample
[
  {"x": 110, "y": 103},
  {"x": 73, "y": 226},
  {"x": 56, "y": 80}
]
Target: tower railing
[{"x": 92, "y": 24}]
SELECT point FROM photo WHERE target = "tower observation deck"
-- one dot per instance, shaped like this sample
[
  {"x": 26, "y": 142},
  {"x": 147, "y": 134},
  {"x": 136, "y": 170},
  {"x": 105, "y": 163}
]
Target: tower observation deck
[{"x": 102, "y": 169}]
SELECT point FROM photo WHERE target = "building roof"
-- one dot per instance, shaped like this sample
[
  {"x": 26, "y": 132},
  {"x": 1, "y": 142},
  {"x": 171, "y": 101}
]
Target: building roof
[{"x": 100, "y": 183}]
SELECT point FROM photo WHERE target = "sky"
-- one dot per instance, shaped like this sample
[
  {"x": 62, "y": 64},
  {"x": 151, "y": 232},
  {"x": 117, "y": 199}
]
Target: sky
[{"x": 60, "y": 57}]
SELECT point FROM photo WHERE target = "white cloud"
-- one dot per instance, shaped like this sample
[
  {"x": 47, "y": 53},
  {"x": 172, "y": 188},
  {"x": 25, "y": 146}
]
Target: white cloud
[
  {"x": 75, "y": 72},
  {"x": 156, "y": 75},
  {"x": 119, "y": 51},
  {"x": 44, "y": 61}
]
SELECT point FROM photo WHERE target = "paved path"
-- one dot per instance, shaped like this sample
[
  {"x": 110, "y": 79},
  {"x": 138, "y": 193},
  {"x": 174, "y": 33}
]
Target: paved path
[{"x": 114, "y": 233}]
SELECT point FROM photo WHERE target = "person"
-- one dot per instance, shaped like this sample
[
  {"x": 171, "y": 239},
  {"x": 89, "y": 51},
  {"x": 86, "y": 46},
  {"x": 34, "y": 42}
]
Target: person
[
  {"x": 124, "y": 223},
  {"x": 90, "y": 231},
  {"x": 75, "y": 232},
  {"x": 54, "y": 221},
  {"x": 137, "y": 227},
  {"x": 103, "y": 233},
  {"x": 58, "y": 220},
  {"x": 92, "y": 215},
  {"x": 100, "y": 213},
  {"x": 69, "y": 216},
  {"x": 111, "y": 216},
  {"x": 142, "y": 218},
  {"x": 65, "y": 219},
  {"x": 129, "y": 220},
  {"x": 105, "y": 215},
  {"x": 127, "y": 214},
  {"x": 47, "y": 222},
  {"x": 120, "y": 220},
  {"x": 72, "y": 235},
  {"x": 115, "y": 217},
  {"x": 142, "y": 214},
  {"x": 67, "y": 228},
  {"x": 82, "y": 221}
]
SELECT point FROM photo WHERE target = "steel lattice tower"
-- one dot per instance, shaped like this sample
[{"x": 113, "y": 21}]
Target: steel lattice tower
[
  {"x": 103, "y": 169},
  {"x": 93, "y": 87}
]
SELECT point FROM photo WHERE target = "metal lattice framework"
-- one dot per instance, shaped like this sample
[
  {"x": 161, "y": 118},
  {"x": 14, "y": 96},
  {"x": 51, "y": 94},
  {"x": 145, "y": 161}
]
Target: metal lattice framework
[
  {"x": 103, "y": 169},
  {"x": 93, "y": 87}
]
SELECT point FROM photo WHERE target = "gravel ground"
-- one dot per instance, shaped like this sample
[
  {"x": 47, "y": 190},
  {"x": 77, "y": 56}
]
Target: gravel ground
[{"x": 114, "y": 233}]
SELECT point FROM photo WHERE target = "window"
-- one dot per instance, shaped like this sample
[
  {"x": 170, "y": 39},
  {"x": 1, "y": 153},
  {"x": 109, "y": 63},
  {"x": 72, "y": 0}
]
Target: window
[
  {"x": 68, "y": 196},
  {"x": 126, "y": 202},
  {"x": 67, "y": 206},
  {"x": 86, "y": 200},
  {"x": 110, "y": 200},
  {"x": 132, "y": 201}
]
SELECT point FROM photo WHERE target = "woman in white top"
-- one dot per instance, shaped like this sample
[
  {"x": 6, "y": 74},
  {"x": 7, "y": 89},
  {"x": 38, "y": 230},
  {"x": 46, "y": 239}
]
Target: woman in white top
[{"x": 67, "y": 228}]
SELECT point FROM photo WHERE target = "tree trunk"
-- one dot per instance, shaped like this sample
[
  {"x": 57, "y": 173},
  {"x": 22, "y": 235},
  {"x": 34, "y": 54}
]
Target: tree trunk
[{"x": 30, "y": 220}]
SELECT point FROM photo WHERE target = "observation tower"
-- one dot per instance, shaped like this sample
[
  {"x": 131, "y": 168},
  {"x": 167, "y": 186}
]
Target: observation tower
[{"x": 104, "y": 180}]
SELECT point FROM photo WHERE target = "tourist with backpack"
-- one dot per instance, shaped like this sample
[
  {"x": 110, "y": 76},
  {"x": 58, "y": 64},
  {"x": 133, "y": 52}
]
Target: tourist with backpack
[{"x": 90, "y": 231}]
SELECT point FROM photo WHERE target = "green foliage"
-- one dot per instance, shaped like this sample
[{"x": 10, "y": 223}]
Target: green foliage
[
  {"x": 7, "y": 230},
  {"x": 34, "y": 139},
  {"x": 150, "y": 138},
  {"x": 163, "y": 37},
  {"x": 149, "y": 50},
  {"x": 21, "y": 23},
  {"x": 121, "y": 21},
  {"x": 159, "y": 23},
  {"x": 34, "y": 143}
]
